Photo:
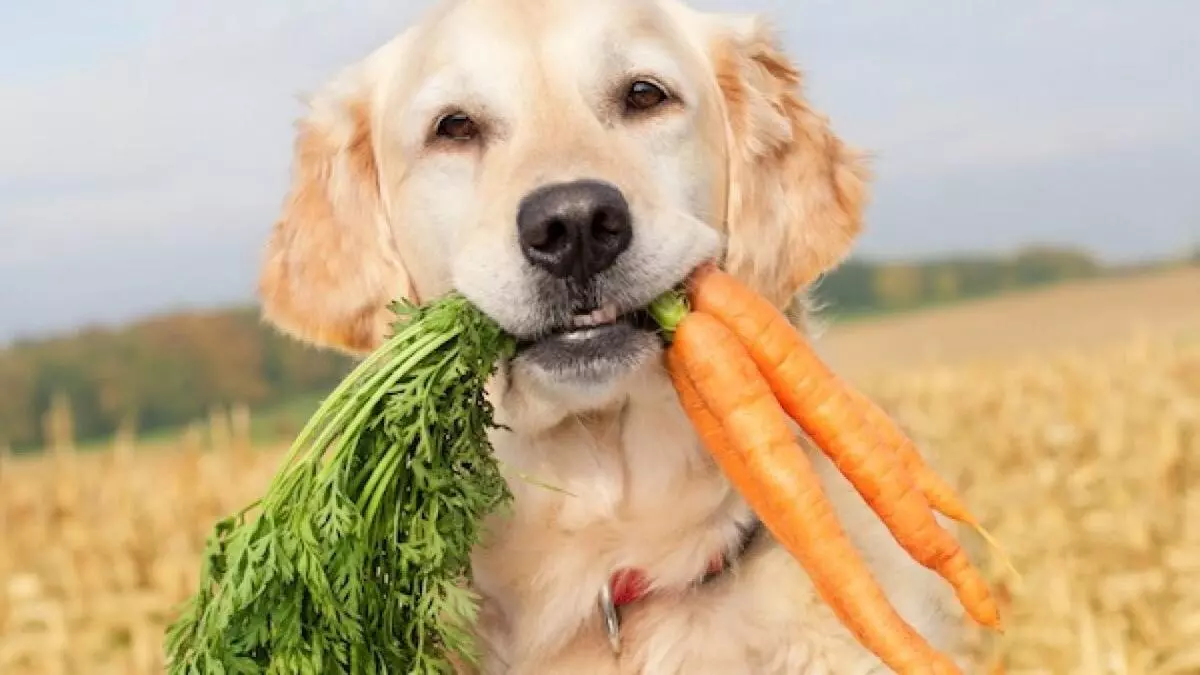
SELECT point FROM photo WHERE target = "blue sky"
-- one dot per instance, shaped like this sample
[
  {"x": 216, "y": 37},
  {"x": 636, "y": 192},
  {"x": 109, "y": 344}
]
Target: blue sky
[{"x": 144, "y": 144}]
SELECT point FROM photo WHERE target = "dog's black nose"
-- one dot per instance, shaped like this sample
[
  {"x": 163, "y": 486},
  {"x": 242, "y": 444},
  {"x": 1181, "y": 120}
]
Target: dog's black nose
[{"x": 574, "y": 229}]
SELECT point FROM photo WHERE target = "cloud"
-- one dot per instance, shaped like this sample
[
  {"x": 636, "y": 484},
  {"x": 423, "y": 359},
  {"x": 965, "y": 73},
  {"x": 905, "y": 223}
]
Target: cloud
[
  {"x": 144, "y": 172},
  {"x": 1129, "y": 200},
  {"x": 146, "y": 143}
]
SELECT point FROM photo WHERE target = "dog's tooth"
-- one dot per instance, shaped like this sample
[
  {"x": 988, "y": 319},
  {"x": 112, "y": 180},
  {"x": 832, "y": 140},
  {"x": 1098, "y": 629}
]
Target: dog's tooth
[
  {"x": 606, "y": 314},
  {"x": 582, "y": 321}
]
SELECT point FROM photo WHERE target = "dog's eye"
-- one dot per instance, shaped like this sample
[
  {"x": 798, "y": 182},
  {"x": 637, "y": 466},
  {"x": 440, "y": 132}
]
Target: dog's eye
[
  {"x": 643, "y": 96},
  {"x": 457, "y": 127}
]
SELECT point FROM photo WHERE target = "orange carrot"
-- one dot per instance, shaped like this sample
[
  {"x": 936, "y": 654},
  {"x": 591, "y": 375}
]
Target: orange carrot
[
  {"x": 940, "y": 495},
  {"x": 864, "y": 444},
  {"x": 937, "y": 491},
  {"x": 748, "y": 435}
]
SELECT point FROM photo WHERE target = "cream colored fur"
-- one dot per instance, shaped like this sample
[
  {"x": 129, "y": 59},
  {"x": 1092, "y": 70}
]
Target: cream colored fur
[{"x": 743, "y": 169}]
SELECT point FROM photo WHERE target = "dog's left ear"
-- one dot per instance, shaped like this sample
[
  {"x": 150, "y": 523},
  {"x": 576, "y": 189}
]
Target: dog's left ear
[
  {"x": 797, "y": 192},
  {"x": 331, "y": 267}
]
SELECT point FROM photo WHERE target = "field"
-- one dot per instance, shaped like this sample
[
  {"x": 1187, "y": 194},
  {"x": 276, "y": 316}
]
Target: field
[{"x": 1070, "y": 417}]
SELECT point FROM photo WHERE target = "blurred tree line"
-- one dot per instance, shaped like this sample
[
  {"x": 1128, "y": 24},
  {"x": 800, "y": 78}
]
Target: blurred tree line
[
  {"x": 168, "y": 371},
  {"x": 158, "y": 373},
  {"x": 862, "y": 287}
]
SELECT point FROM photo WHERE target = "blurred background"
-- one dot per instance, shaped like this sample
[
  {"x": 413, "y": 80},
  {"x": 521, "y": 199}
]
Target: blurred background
[{"x": 1026, "y": 299}]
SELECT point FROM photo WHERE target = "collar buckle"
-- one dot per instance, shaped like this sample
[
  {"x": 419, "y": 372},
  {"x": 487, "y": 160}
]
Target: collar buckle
[
  {"x": 612, "y": 618},
  {"x": 626, "y": 586}
]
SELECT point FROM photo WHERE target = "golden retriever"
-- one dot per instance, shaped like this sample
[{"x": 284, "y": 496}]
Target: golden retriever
[{"x": 561, "y": 163}]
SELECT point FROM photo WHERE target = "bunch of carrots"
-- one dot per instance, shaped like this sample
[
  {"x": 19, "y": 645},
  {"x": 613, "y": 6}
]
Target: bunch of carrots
[{"x": 742, "y": 371}]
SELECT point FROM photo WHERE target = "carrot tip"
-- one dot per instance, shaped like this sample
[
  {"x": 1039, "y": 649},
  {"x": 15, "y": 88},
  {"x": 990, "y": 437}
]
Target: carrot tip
[{"x": 994, "y": 623}]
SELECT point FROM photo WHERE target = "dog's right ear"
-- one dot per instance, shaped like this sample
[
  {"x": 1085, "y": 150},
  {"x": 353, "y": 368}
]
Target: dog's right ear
[
  {"x": 797, "y": 191},
  {"x": 331, "y": 267}
]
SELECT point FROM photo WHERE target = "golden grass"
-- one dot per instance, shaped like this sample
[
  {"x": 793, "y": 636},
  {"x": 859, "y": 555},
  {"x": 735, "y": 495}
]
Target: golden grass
[
  {"x": 1085, "y": 466},
  {"x": 98, "y": 549},
  {"x": 1082, "y": 464}
]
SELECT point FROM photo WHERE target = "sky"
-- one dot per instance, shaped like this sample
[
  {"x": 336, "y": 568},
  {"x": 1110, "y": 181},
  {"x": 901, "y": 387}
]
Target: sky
[{"x": 144, "y": 144}]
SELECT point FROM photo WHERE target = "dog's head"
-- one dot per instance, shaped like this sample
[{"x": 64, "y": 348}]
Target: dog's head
[{"x": 560, "y": 164}]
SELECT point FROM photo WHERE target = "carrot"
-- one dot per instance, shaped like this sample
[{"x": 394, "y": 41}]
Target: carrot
[
  {"x": 862, "y": 441},
  {"x": 940, "y": 495},
  {"x": 937, "y": 491},
  {"x": 748, "y": 435}
]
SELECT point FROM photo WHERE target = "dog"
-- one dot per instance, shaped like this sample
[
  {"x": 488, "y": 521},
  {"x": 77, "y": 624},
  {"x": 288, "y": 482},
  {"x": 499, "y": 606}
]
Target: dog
[{"x": 562, "y": 163}]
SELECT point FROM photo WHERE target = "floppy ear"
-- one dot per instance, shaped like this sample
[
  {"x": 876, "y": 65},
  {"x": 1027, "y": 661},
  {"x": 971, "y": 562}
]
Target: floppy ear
[
  {"x": 331, "y": 267},
  {"x": 797, "y": 192}
]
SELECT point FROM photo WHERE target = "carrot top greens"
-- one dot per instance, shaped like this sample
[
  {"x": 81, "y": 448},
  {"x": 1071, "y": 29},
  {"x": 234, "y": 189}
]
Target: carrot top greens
[
  {"x": 356, "y": 558},
  {"x": 668, "y": 310}
]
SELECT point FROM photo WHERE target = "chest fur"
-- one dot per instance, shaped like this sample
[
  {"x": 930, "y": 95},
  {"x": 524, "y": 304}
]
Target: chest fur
[{"x": 632, "y": 487}]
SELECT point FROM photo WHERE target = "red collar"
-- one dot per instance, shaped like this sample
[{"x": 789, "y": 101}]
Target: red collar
[{"x": 630, "y": 584}]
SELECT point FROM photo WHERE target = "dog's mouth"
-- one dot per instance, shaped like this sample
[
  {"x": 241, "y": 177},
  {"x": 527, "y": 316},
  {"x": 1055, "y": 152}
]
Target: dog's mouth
[
  {"x": 593, "y": 344},
  {"x": 596, "y": 323}
]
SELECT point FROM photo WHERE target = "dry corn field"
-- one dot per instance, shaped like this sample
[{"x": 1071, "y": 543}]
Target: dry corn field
[{"x": 1083, "y": 463}]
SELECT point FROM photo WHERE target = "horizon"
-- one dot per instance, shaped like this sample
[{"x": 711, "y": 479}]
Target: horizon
[
  {"x": 251, "y": 302},
  {"x": 147, "y": 145}
]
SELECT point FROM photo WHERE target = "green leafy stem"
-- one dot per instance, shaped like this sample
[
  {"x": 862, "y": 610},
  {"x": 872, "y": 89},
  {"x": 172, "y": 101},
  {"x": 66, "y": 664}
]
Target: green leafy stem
[{"x": 358, "y": 559}]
